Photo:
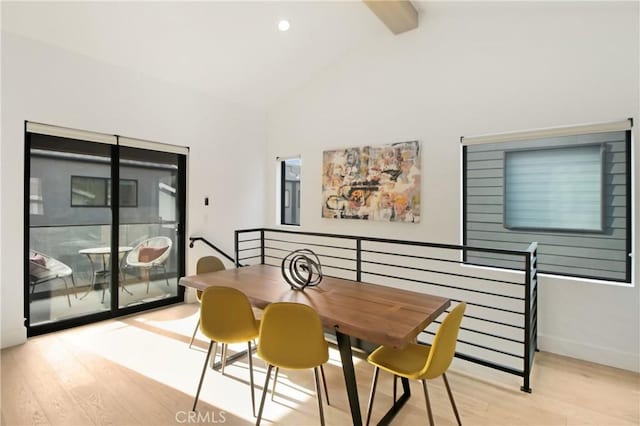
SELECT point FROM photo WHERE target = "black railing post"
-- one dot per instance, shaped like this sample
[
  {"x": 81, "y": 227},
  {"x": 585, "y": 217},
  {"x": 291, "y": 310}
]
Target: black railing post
[
  {"x": 359, "y": 260},
  {"x": 236, "y": 247},
  {"x": 527, "y": 319},
  {"x": 262, "y": 246}
]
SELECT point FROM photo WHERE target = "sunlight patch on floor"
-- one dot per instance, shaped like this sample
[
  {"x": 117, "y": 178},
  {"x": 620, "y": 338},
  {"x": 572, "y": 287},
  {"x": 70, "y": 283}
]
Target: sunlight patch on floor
[{"x": 157, "y": 348}]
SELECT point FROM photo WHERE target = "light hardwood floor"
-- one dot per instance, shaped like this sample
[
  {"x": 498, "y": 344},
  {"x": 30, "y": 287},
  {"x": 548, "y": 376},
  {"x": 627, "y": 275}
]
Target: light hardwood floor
[{"x": 139, "y": 371}]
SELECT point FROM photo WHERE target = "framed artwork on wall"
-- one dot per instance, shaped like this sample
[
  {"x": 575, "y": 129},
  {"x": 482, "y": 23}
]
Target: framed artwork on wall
[{"x": 372, "y": 183}]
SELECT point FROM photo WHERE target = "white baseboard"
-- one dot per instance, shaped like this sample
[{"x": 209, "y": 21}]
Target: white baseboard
[
  {"x": 593, "y": 353},
  {"x": 13, "y": 337}
]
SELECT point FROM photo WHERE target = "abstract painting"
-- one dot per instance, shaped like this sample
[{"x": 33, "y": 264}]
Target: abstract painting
[{"x": 372, "y": 183}]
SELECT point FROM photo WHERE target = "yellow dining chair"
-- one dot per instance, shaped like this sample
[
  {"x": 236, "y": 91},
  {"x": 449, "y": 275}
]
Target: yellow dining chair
[
  {"x": 421, "y": 362},
  {"x": 205, "y": 264},
  {"x": 226, "y": 317},
  {"x": 291, "y": 336}
]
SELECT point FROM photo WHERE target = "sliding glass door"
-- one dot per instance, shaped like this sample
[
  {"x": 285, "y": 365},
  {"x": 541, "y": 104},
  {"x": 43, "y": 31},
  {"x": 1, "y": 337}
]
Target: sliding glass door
[
  {"x": 149, "y": 225},
  {"x": 103, "y": 230}
]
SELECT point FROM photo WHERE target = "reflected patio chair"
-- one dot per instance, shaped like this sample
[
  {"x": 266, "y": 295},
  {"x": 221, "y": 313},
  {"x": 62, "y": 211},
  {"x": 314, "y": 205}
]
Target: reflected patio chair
[
  {"x": 150, "y": 253},
  {"x": 44, "y": 268}
]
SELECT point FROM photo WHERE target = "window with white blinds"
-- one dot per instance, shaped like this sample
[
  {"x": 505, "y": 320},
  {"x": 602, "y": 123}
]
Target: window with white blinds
[
  {"x": 554, "y": 189},
  {"x": 570, "y": 191}
]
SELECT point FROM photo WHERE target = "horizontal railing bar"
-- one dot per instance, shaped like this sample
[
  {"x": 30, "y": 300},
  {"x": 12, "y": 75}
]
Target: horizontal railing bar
[
  {"x": 490, "y": 364},
  {"x": 250, "y": 257},
  {"x": 519, "y": 327},
  {"x": 521, "y": 342},
  {"x": 477, "y": 345},
  {"x": 251, "y": 239},
  {"x": 453, "y": 274},
  {"x": 413, "y": 256},
  {"x": 325, "y": 266},
  {"x": 390, "y": 241},
  {"x": 317, "y": 254},
  {"x": 310, "y": 244},
  {"x": 326, "y": 275},
  {"x": 509, "y": 339},
  {"x": 489, "y": 307},
  {"x": 445, "y": 286},
  {"x": 249, "y": 248}
]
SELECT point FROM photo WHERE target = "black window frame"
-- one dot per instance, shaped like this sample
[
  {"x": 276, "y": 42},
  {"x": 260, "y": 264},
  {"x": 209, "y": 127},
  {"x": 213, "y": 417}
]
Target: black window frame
[
  {"x": 284, "y": 191},
  {"x": 107, "y": 194},
  {"x": 628, "y": 219}
]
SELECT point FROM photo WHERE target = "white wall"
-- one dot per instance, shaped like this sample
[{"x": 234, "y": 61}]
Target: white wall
[
  {"x": 470, "y": 69},
  {"x": 44, "y": 84}
]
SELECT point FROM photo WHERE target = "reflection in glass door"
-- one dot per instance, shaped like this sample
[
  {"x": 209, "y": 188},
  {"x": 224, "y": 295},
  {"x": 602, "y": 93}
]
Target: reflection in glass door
[
  {"x": 69, "y": 228},
  {"x": 104, "y": 229},
  {"x": 149, "y": 223}
]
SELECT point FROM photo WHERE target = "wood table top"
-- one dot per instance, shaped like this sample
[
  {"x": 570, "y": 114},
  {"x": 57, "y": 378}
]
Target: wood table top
[{"x": 374, "y": 313}]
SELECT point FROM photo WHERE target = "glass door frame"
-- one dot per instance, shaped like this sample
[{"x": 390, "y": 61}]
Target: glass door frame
[{"x": 114, "y": 310}]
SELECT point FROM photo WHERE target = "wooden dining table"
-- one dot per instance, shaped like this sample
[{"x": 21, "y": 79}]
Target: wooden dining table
[{"x": 373, "y": 313}]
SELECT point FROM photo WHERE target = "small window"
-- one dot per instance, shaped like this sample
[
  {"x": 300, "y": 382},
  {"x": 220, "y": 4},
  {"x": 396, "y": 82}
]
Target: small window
[
  {"x": 554, "y": 189},
  {"x": 128, "y": 193},
  {"x": 290, "y": 191},
  {"x": 88, "y": 191}
]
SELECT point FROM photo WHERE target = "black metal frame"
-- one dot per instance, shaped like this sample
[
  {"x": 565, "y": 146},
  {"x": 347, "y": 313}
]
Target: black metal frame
[
  {"x": 270, "y": 246},
  {"x": 114, "y": 311}
]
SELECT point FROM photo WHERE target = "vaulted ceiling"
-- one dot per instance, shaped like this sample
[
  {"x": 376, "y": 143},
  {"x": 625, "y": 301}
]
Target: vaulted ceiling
[{"x": 230, "y": 50}]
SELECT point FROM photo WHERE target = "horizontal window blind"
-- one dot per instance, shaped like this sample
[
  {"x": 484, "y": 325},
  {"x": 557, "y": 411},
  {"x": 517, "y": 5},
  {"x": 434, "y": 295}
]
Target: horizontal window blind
[
  {"x": 555, "y": 189},
  {"x": 64, "y": 132},
  {"x": 154, "y": 146},
  {"x": 553, "y": 132}
]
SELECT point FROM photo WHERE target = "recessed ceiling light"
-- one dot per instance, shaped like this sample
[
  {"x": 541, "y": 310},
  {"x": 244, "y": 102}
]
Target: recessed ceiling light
[{"x": 284, "y": 25}]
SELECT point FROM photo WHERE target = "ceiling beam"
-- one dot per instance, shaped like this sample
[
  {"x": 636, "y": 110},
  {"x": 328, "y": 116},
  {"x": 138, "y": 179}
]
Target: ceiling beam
[{"x": 398, "y": 15}]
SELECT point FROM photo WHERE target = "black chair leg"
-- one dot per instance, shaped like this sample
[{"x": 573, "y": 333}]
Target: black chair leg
[
  {"x": 372, "y": 394},
  {"x": 453, "y": 403},
  {"x": 319, "y": 394},
  {"x": 426, "y": 398},
  {"x": 324, "y": 382},
  {"x": 395, "y": 388},
  {"x": 204, "y": 370},
  {"x": 264, "y": 394}
]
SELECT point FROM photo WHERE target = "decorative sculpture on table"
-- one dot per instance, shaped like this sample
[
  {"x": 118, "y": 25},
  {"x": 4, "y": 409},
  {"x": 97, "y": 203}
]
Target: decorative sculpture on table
[{"x": 301, "y": 269}]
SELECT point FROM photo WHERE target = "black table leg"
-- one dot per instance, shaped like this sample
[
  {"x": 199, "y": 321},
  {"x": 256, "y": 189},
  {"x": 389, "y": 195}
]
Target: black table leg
[
  {"x": 397, "y": 405},
  {"x": 344, "y": 345}
]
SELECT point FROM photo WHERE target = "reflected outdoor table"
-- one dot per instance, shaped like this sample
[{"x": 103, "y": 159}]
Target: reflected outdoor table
[
  {"x": 103, "y": 253},
  {"x": 374, "y": 313}
]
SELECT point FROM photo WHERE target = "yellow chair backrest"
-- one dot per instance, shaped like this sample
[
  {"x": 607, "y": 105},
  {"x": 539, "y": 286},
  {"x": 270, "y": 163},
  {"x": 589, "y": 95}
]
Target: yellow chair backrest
[
  {"x": 226, "y": 316},
  {"x": 291, "y": 336},
  {"x": 208, "y": 264},
  {"x": 443, "y": 347}
]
